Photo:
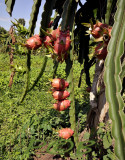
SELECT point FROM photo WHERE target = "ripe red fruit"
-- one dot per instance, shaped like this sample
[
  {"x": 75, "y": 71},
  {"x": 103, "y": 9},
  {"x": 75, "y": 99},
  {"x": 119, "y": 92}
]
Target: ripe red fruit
[
  {"x": 96, "y": 32},
  {"x": 55, "y": 33},
  {"x": 47, "y": 41},
  {"x": 101, "y": 51},
  {"x": 88, "y": 89},
  {"x": 34, "y": 42},
  {"x": 62, "y": 105},
  {"x": 60, "y": 95},
  {"x": 65, "y": 133},
  {"x": 102, "y": 25},
  {"x": 62, "y": 43},
  {"x": 59, "y": 84},
  {"x": 98, "y": 28}
]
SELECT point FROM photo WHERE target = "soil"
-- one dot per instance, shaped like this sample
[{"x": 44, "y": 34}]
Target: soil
[{"x": 40, "y": 154}]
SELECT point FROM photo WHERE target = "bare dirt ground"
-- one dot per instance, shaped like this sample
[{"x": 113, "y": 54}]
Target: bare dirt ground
[{"x": 39, "y": 155}]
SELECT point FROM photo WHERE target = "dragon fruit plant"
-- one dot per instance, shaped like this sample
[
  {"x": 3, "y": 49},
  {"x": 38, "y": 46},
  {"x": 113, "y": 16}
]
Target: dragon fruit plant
[{"x": 101, "y": 51}]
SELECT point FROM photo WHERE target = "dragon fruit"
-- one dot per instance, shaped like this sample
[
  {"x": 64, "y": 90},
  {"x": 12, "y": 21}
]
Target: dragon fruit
[
  {"x": 59, "y": 84},
  {"x": 101, "y": 51},
  {"x": 33, "y": 42},
  {"x": 60, "y": 95},
  {"x": 66, "y": 133},
  {"x": 61, "y": 105},
  {"x": 62, "y": 43}
]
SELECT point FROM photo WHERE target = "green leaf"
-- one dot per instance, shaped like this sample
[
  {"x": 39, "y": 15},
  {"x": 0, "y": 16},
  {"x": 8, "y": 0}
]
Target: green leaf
[
  {"x": 106, "y": 143},
  {"x": 86, "y": 135}
]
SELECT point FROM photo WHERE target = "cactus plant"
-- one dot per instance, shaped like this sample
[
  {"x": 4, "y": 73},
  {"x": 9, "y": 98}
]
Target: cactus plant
[{"x": 112, "y": 79}]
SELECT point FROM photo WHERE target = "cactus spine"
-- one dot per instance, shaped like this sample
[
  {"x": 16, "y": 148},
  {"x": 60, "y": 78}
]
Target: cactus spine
[{"x": 112, "y": 80}]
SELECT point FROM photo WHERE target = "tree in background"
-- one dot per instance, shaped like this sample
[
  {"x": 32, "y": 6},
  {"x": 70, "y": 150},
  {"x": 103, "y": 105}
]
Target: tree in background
[
  {"x": 2, "y": 30},
  {"x": 21, "y": 21}
]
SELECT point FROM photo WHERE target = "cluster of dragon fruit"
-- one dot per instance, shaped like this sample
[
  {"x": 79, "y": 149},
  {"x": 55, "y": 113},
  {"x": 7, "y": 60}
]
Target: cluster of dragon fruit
[
  {"x": 102, "y": 34},
  {"x": 56, "y": 41},
  {"x": 61, "y": 94}
]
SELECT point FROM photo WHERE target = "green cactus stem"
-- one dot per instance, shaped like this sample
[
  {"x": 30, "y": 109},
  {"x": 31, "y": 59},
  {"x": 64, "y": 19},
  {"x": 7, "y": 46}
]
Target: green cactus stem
[
  {"x": 10, "y": 5},
  {"x": 70, "y": 79},
  {"x": 27, "y": 78},
  {"x": 33, "y": 16},
  {"x": 69, "y": 17},
  {"x": 46, "y": 14},
  {"x": 108, "y": 11},
  {"x": 64, "y": 14},
  {"x": 32, "y": 24},
  {"x": 113, "y": 81},
  {"x": 44, "y": 24},
  {"x": 68, "y": 14},
  {"x": 55, "y": 66}
]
